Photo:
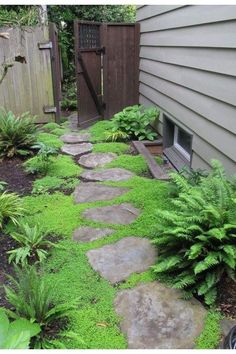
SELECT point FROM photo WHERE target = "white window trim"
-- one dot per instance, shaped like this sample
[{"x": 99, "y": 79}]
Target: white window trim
[{"x": 179, "y": 147}]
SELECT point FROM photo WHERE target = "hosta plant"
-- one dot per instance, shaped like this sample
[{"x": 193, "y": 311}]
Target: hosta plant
[
  {"x": 16, "y": 334},
  {"x": 196, "y": 238},
  {"x": 134, "y": 123},
  {"x": 32, "y": 298},
  {"x": 11, "y": 207},
  {"x": 17, "y": 134},
  {"x": 33, "y": 244}
]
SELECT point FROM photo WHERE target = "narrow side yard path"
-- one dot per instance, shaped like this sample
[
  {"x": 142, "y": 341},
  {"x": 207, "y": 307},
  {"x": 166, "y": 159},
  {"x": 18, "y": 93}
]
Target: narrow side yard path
[{"x": 152, "y": 315}]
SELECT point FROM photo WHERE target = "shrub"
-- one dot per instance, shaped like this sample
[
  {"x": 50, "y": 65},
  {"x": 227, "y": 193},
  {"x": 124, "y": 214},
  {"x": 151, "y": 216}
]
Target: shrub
[
  {"x": 17, "y": 134},
  {"x": 17, "y": 334},
  {"x": 133, "y": 122},
  {"x": 43, "y": 159},
  {"x": 2, "y": 186},
  {"x": 196, "y": 239},
  {"x": 31, "y": 298},
  {"x": 10, "y": 207},
  {"x": 33, "y": 244}
]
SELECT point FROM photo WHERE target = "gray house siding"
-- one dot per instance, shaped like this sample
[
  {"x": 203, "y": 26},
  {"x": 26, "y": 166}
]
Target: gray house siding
[{"x": 188, "y": 69}]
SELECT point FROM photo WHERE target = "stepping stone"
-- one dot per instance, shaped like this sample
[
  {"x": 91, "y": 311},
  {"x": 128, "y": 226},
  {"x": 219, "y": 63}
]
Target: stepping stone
[
  {"x": 111, "y": 174},
  {"x": 88, "y": 234},
  {"x": 73, "y": 138},
  {"x": 118, "y": 261},
  {"x": 96, "y": 159},
  {"x": 122, "y": 214},
  {"x": 77, "y": 149},
  {"x": 155, "y": 317},
  {"x": 91, "y": 192}
]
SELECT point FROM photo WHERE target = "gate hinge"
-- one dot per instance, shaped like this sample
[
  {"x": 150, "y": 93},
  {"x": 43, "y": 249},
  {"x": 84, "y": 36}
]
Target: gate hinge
[
  {"x": 49, "y": 109},
  {"x": 45, "y": 45},
  {"x": 101, "y": 50}
]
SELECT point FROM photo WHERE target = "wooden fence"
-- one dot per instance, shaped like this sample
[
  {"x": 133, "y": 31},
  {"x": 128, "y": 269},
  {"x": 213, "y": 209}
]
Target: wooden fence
[{"x": 28, "y": 84}]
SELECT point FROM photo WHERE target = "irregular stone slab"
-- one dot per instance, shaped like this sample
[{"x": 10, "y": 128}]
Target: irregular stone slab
[
  {"x": 122, "y": 214},
  {"x": 226, "y": 325},
  {"x": 111, "y": 174},
  {"x": 73, "y": 138},
  {"x": 91, "y": 192},
  {"x": 77, "y": 149},
  {"x": 155, "y": 317},
  {"x": 96, "y": 159},
  {"x": 88, "y": 234},
  {"x": 118, "y": 261}
]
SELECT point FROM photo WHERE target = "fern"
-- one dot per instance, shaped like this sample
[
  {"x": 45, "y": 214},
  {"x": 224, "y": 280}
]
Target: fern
[{"x": 196, "y": 237}]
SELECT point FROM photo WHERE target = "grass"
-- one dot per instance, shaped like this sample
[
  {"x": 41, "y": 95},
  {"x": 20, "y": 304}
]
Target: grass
[
  {"x": 136, "y": 164},
  {"x": 99, "y": 131},
  {"x": 117, "y": 148},
  {"x": 211, "y": 334},
  {"x": 50, "y": 140}
]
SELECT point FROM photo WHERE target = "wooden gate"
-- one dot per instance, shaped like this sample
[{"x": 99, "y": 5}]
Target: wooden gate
[
  {"x": 107, "y": 56},
  {"x": 56, "y": 69}
]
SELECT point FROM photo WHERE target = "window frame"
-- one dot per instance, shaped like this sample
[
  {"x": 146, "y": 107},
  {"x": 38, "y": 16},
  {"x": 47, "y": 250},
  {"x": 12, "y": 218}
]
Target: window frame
[{"x": 180, "y": 148}]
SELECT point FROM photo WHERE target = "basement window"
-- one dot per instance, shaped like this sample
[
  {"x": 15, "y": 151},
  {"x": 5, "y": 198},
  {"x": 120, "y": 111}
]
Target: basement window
[
  {"x": 182, "y": 142},
  {"x": 177, "y": 144}
]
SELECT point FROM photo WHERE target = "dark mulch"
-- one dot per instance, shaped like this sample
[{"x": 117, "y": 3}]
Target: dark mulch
[
  {"x": 6, "y": 244},
  {"x": 12, "y": 172},
  {"x": 227, "y": 297}
]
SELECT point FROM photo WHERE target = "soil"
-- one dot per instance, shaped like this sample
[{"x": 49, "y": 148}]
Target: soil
[
  {"x": 12, "y": 172},
  {"x": 6, "y": 244},
  {"x": 155, "y": 149},
  {"x": 226, "y": 301}
]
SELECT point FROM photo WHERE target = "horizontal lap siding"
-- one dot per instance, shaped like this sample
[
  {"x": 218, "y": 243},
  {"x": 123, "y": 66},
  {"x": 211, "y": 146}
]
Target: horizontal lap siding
[{"x": 187, "y": 67}]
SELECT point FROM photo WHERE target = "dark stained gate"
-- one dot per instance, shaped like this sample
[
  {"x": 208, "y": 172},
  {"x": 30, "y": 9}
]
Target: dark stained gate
[
  {"x": 56, "y": 69},
  {"x": 107, "y": 56}
]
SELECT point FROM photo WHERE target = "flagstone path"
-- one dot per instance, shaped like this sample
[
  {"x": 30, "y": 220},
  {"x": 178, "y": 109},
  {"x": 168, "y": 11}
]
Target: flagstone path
[{"x": 153, "y": 316}]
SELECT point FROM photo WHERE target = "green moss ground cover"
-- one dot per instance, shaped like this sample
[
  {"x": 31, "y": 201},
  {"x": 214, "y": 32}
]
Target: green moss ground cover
[{"x": 95, "y": 322}]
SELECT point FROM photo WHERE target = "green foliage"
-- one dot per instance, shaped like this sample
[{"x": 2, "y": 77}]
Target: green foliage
[
  {"x": 16, "y": 334},
  {"x": 137, "y": 278},
  {"x": 50, "y": 140},
  {"x": 10, "y": 208},
  {"x": 32, "y": 298},
  {"x": 196, "y": 240},
  {"x": 48, "y": 127},
  {"x": 18, "y": 15},
  {"x": 49, "y": 183},
  {"x": 192, "y": 177},
  {"x": 211, "y": 334},
  {"x": 134, "y": 123},
  {"x": 117, "y": 148},
  {"x": 99, "y": 131},
  {"x": 2, "y": 186},
  {"x": 136, "y": 163},
  {"x": 33, "y": 244},
  {"x": 117, "y": 135},
  {"x": 60, "y": 166},
  {"x": 17, "y": 134},
  {"x": 43, "y": 159}
]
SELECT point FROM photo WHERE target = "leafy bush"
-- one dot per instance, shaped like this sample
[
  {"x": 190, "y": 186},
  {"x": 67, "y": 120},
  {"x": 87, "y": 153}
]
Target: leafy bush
[
  {"x": 133, "y": 122},
  {"x": 32, "y": 298},
  {"x": 117, "y": 135},
  {"x": 17, "y": 334},
  {"x": 17, "y": 134},
  {"x": 10, "y": 207},
  {"x": 33, "y": 244},
  {"x": 43, "y": 159},
  {"x": 196, "y": 239}
]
